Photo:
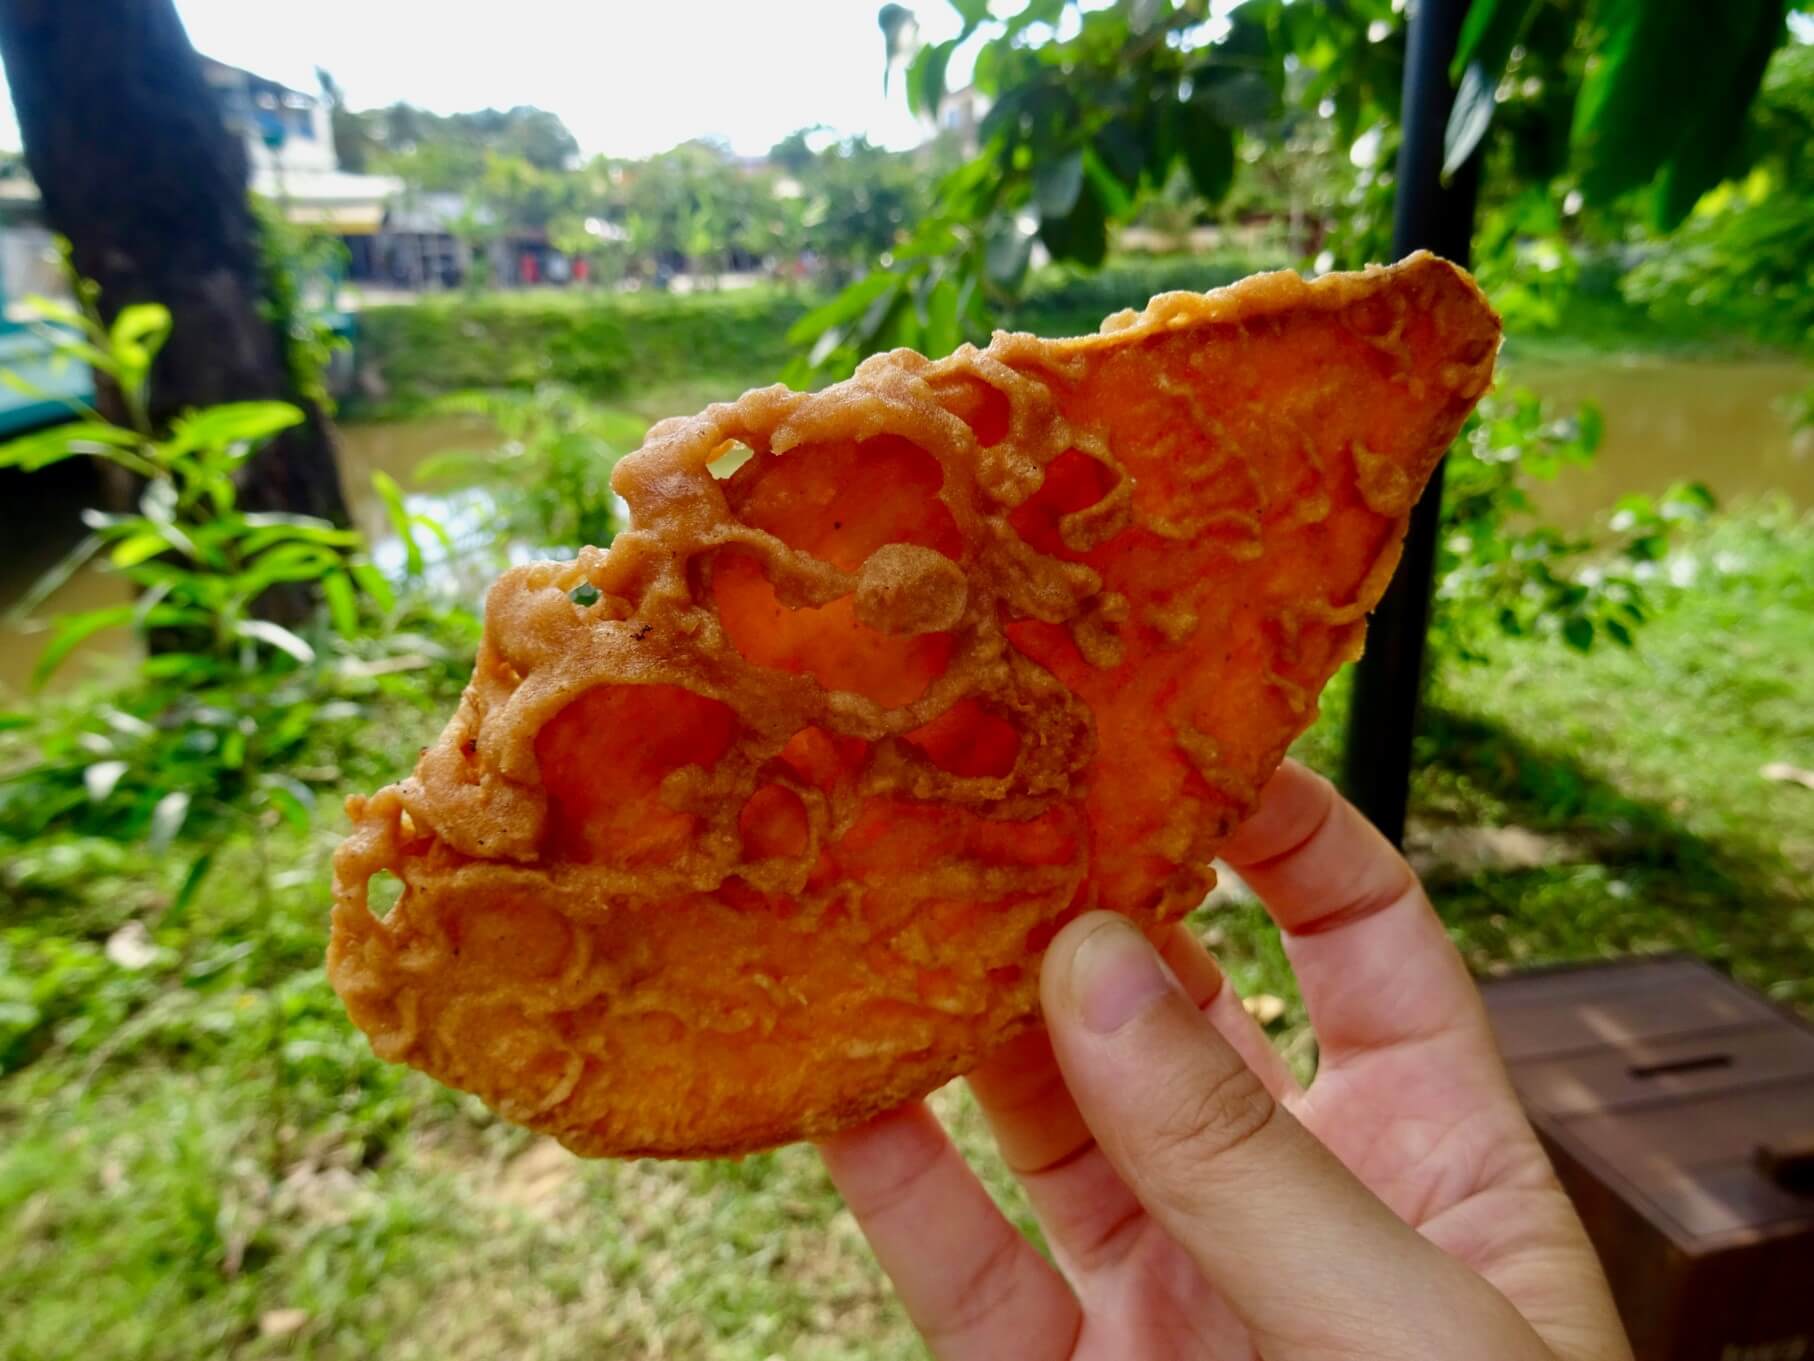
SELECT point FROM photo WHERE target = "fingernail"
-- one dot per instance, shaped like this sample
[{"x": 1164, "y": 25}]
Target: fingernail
[{"x": 1115, "y": 975}]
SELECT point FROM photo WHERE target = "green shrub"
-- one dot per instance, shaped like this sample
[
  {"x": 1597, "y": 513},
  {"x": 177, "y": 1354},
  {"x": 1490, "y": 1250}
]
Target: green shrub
[
  {"x": 1064, "y": 301},
  {"x": 601, "y": 346}
]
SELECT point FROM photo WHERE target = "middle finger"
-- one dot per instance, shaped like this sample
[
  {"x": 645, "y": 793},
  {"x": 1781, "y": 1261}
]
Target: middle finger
[{"x": 1087, "y": 1213}]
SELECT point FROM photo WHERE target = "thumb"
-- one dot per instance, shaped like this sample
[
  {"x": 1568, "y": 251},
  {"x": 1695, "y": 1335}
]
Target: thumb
[{"x": 1314, "y": 1264}]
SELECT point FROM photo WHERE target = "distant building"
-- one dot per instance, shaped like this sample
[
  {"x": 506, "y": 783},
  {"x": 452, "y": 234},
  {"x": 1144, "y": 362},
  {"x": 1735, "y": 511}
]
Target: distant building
[
  {"x": 960, "y": 115},
  {"x": 288, "y": 136},
  {"x": 283, "y": 130}
]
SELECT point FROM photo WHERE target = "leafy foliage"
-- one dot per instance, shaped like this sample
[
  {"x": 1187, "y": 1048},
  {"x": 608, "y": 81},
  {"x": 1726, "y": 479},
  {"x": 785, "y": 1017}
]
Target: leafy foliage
[
  {"x": 208, "y": 738},
  {"x": 602, "y": 346},
  {"x": 548, "y": 474},
  {"x": 293, "y": 260},
  {"x": 439, "y": 151},
  {"x": 1092, "y": 109},
  {"x": 855, "y": 201},
  {"x": 1746, "y": 254},
  {"x": 197, "y": 562},
  {"x": 1501, "y": 570}
]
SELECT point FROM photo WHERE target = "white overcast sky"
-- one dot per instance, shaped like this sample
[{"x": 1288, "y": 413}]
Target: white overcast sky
[{"x": 629, "y": 77}]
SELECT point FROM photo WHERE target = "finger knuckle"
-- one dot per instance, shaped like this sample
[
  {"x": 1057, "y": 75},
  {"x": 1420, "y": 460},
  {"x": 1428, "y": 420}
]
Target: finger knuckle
[
  {"x": 980, "y": 1294},
  {"x": 1227, "y": 1114}
]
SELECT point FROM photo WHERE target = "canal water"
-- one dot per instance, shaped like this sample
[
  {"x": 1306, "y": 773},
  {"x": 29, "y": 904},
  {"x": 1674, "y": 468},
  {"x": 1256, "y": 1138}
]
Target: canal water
[{"x": 1727, "y": 424}]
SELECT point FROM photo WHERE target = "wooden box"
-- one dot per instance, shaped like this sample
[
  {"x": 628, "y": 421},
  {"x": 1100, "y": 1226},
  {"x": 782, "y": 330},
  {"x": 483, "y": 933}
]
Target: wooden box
[{"x": 1679, "y": 1110}]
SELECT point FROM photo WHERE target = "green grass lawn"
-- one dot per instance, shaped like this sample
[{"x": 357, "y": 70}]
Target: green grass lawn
[{"x": 199, "y": 1156}]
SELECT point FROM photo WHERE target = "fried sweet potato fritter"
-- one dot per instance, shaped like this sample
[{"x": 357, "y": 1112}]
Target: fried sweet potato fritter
[{"x": 770, "y": 836}]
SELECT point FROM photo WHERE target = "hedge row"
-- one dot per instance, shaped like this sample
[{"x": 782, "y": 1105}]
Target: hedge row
[
  {"x": 604, "y": 344},
  {"x": 1074, "y": 303},
  {"x": 601, "y": 346}
]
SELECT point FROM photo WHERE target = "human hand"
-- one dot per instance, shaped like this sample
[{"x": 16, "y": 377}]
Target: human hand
[{"x": 1197, "y": 1201}]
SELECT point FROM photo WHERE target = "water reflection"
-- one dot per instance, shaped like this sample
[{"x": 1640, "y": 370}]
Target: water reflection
[{"x": 1725, "y": 423}]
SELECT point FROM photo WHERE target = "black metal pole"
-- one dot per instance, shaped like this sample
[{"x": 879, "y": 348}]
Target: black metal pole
[{"x": 1429, "y": 214}]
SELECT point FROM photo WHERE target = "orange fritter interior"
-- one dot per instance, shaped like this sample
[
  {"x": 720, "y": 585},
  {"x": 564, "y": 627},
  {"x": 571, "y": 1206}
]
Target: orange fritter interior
[{"x": 769, "y": 836}]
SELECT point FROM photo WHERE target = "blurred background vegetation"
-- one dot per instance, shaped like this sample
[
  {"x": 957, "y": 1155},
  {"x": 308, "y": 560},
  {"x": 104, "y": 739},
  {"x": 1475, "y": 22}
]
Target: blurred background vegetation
[{"x": 199, "y": 1155}]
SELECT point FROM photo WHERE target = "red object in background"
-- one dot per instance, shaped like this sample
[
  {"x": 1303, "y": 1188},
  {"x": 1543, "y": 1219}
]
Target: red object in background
[
  {"x": 581, "y": 270},
  {"x": 526, "y": 268}
]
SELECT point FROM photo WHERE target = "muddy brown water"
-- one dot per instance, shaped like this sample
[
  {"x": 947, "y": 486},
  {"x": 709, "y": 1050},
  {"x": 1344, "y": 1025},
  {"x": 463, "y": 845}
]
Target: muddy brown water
[{"x": 1725, "y": 423}]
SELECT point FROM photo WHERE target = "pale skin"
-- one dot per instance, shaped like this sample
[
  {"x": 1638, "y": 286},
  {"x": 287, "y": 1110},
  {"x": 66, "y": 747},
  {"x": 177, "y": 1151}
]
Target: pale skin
[{"x": 1199, "y": 1203}]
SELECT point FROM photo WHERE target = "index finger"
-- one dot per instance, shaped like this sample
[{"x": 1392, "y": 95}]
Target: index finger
[{"x": 1376, "y": 967}]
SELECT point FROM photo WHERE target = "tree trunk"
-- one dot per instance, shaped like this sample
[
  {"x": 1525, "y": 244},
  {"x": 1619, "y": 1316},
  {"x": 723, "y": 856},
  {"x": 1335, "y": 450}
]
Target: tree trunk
[{"x": 136, "y": 167}]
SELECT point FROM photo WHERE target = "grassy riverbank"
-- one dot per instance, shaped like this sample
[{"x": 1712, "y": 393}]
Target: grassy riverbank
[{"x": 198, "y": 1155}]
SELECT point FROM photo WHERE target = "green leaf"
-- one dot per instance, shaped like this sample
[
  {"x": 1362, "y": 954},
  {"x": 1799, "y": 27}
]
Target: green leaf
[
  {"x": 139, "y": 332},
  {"x": 1159, "y": 131},
  {"x": 48, "y": 584},
  {"x": 73, "y": 629},
  {"x": 1121, "y": 152},
  {"x": 1117, "y": 202},
  {"x": 1056, "y": 183},
  {"x": 436, "y": 530},
  {"x": 1238, "y": 98},
  {"x": 899, "y": 326},
  {"x": 321, "y": 536},
  {"x": 1006, "y": 257},
  {"x": 1714, "y": 142},
  {"x": 1469, "y": 116},
  {"x": 1489, "y": 34},
  {"x": 102, "y": 778},
  {"x": 926, "y": 78},
  {"x": 275, "y": 635},
  {"x": 293, "y": 799},
  {"x": 137, "y": 548},
  {"x": 55, "y": 310},
  {"x": 342, "y": 603},
  {"x": 1578, "y": 633},
  {"x": 1668, "y": 85},
  {"x": 71, "y": 347},
  {"x": 942, "y": 332},
  {"x": 1081, "y": 236},
  {"x": 42, "y": 448},
  {"x": 167, "y": 819},
  {"x": 1209, "y": 151},
  {"x": 191, "y": 885},
  {"x": 372, "y": 582},
  {"x": 185, "y": 666},
  {"x": 847, "y": 306},
  {"x": 291, "y": 562},
  {"x": 1590, "y": 427},
  {"x": 218, "y": 427},
  {"x": 400, "y": 520}
]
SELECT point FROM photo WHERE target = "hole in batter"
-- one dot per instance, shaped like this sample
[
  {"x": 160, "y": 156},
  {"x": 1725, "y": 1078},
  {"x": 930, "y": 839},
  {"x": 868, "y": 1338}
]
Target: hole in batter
[
  {"x": 842, "y": 500},
  {"x": 605, "y": 760},
  {"x": 828, "y": 643},
  {"x": 980, "y": 406},
  {"x": 732, "y": 455},
  {"x": 970, "y": 741},
  {"x": 773, "y": 824},
  {"x": 1074, "y": 481},
  {"x": 825, "y": 760},
  {"x": 383, "y": 891}
]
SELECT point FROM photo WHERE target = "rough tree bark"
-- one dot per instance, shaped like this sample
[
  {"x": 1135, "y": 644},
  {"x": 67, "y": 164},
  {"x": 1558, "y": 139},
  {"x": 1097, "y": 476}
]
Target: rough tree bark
[{"x": 137, "y": 169}]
